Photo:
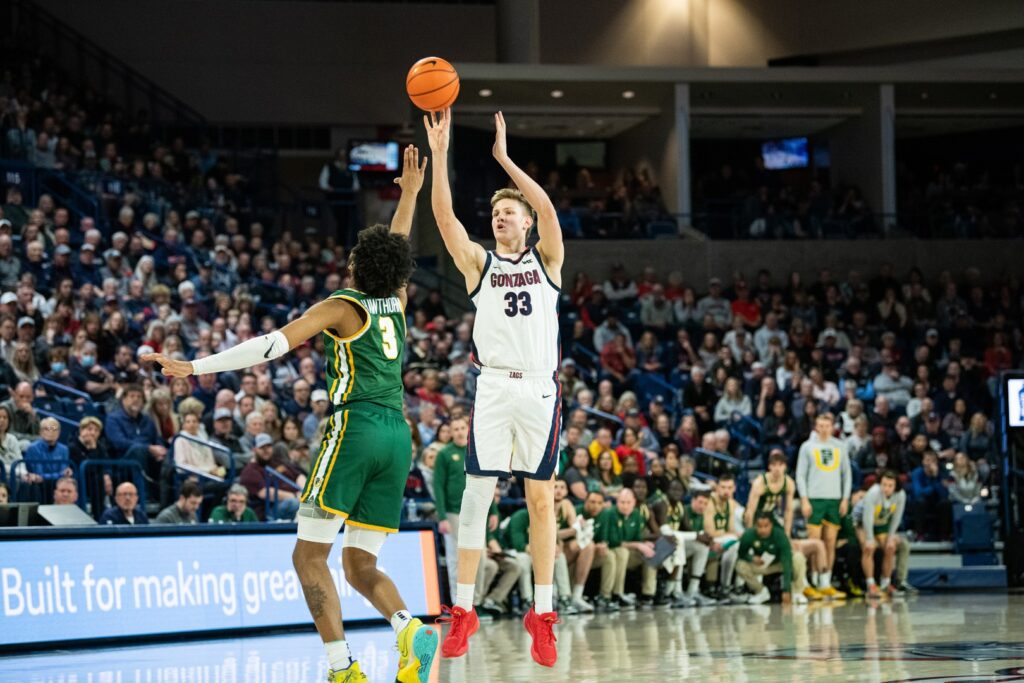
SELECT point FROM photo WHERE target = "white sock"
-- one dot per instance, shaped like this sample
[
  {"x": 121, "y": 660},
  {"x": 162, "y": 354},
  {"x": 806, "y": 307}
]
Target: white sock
[
  {"x": 815, "y": 579},
  {"x": 676, "y": 588},
  {"x": 885, "y": 583},
  {"x": 871, "y": 581},
  {"x": 338, "y": 654},
  {"x": 577, "y": 592},
  {"x": 825, "y": 579},
  {"x": 542, "y": 598},
  {"x": 693, "y": 587},
  {"x": 399, "y": 620},
  {"x": 464, "y": 595}
]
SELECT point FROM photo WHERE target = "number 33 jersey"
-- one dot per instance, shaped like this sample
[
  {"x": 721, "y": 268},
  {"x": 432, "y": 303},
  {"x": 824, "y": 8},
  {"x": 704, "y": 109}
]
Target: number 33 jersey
[
  {"x": 516, "y": 324},
  {"x": 368, "y": 365}
]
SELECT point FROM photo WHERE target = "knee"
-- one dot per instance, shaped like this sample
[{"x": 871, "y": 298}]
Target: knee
[
  {"x": 355, "y": 570},
  {"x": 306, "y": 554},
  {"x": 541, "y": 507}
]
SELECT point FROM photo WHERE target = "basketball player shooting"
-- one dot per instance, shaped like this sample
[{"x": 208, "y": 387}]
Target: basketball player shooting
[
  {"x": 361, "y": 467},
  {"x": 516, "y": 416}
]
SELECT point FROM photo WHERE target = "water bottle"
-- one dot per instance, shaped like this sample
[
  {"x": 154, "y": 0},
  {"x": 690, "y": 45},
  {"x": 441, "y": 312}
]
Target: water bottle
[{"x": 411, "y": 511}]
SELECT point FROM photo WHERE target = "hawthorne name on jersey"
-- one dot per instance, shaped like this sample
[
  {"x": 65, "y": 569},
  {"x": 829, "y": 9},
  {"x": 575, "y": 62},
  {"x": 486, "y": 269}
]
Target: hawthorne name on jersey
[
  {"x": 508, "y": 280},
  {"x": 383, "y": 306}
]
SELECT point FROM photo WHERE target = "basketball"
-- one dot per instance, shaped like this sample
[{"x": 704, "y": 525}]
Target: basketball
[{"x": 432, "y": 84}]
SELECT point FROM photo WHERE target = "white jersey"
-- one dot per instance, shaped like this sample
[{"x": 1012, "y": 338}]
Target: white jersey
[{"x": 516, "y": 324}]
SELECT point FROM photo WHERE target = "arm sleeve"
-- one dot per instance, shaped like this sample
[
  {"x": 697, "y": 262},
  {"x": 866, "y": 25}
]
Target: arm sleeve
[
  {"x": 252, "y": 352},
  {"x": 897, "y": 518}
]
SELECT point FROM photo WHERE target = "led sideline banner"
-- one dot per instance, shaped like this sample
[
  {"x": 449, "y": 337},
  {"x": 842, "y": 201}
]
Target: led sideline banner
[{"x": 116, "y": 587}]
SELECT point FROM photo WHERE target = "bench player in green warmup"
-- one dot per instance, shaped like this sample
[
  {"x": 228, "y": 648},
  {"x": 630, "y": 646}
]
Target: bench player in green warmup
[
  {"x": 361, "y": 467},
  {"x": 773, "y": 493}
]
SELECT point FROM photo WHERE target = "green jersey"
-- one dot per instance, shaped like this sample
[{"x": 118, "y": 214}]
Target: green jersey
[
  {"x": 696, "y": 519},
  {"x": 676, "y": 516},
  {"x": 773, "y": 502},
  {"x": 722, "y": 518},
  {"x": 368, "y": 365}
]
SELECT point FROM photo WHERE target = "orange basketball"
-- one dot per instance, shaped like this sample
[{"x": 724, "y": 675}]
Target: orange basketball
[{"x": 432, "y": 84}]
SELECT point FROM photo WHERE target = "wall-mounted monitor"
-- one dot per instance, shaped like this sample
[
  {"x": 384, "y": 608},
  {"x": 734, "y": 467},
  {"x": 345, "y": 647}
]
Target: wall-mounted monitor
[
  {"x": 373, "y": 156},
  {"x": 785, "y": 153}
]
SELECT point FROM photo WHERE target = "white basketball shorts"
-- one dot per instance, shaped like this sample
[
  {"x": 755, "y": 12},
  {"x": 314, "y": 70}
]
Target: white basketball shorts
[{"x": 515, "y": 424}]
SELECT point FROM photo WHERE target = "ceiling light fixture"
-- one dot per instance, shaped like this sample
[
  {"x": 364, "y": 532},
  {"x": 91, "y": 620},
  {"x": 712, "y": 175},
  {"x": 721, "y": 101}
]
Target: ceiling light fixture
[
  {"x": 557, "y": 94},
  {"x": 486, "y": 92},
  {"x": 628, "y": 94}
]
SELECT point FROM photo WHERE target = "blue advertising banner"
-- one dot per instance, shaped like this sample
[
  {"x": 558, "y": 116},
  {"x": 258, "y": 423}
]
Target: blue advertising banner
[{"x": 86, "y": 588}]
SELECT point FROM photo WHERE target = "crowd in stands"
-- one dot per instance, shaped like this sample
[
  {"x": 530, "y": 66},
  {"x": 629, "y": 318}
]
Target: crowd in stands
[
  {"x": 963, "y": 200},
  {"x": 596, "y": 204},
  {"x": 760, "y": 204},
  {"x": 951, "y": 201},
  {"x": 116, "y": 157}
]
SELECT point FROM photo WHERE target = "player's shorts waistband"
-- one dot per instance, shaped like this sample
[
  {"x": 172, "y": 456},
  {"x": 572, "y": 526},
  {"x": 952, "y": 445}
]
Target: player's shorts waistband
[
  {"x": 517, "y": 374},
  {"x": 369, "y": 407}
]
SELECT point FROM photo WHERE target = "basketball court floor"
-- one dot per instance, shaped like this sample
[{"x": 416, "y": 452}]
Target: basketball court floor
[{"x": 938, "y": 638}]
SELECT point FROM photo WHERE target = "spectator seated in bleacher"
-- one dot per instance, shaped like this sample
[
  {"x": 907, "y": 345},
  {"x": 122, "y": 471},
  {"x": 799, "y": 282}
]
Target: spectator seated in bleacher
[
  {"x": 24, "y": 420},
  {"x": 126, "y": 509},
  {"x": 930, "y": 512},
  {"x": 46, "y": 460},
  {"x": 10, "y": 447},
  {"x": 265, "y": 499},
  {"x": 190, "y": 497},
  {"x": 235, "y": 509},
  {"x": 133, "y": 434}
]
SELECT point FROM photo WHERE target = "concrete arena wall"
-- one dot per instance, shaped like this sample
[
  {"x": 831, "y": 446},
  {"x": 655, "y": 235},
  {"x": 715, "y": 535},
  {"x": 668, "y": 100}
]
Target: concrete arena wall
[{"x": 698, "y": 261}]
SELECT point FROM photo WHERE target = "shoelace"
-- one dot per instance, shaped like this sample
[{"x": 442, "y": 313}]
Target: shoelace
[
  {"x": 454, "y": 618},
  {"x": 548, "y": 634}
]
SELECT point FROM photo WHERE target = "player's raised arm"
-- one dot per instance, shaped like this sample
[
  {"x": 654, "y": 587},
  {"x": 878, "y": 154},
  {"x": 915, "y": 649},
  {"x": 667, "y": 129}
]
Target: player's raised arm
[
  {"x": 550, "y": 233},
  {"x": 410, "y": 181},
  {"x": 468, "y": 255},
  {"x": 328, "y": 314}
]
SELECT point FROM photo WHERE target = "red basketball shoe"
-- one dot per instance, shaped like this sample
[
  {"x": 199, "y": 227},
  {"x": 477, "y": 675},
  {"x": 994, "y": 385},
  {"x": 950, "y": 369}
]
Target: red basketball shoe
[
  {"x": 540, "y": 628},
  {"x": 463, "y": 625}
]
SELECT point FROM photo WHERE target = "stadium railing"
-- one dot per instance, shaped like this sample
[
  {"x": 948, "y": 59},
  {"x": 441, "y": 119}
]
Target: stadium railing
[
  {"x": 603, "y": 415},
  {"x": 181, "y": 473},
  {"x": 274, "y": 480},
  {"x": 36, "y": 466},
  {"x": 106, "y": 466}
]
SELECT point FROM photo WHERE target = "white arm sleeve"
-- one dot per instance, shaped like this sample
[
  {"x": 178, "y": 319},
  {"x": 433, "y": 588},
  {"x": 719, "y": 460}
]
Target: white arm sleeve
[{"x": 253, "y": 352}]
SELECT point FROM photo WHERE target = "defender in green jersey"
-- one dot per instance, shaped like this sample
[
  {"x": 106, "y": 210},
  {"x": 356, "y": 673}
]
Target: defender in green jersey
[{"x": 360, "y": 468}]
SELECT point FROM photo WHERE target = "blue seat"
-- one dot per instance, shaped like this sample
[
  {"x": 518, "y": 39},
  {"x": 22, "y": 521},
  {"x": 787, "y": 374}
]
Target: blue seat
[
  {"x": 972, "y": 529},
  {"x": 662, "y": 230},
  {"x": 49, "y": 404}
]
